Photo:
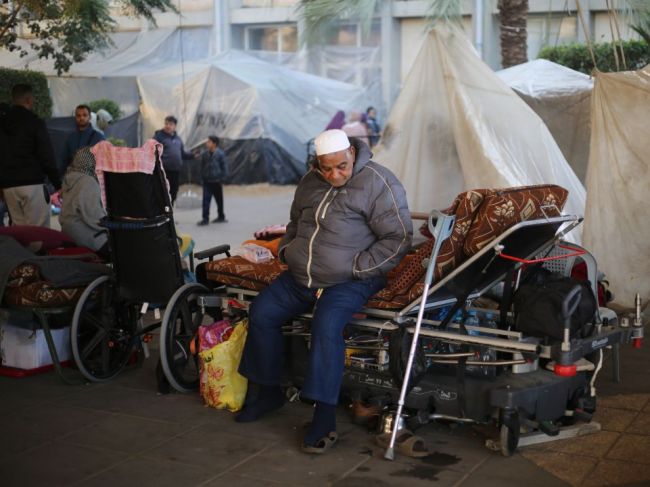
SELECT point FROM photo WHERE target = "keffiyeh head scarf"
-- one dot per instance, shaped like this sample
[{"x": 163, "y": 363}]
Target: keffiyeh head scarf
[{"x": 83, "y": 162}]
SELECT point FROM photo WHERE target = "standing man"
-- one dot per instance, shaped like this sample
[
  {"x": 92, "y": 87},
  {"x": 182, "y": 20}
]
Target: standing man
[
  {"x": 173, "y": 153},
  {"x": 374, "y": 129},
  {"x": 84, "y": 136},
  {"x": 27, "y": 158},
  {"x": 349, "y": 226},
  {"x": 214, "y": 170}
]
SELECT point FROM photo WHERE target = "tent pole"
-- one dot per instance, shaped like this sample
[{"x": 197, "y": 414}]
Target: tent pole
[{"x": 479, "y": 14}]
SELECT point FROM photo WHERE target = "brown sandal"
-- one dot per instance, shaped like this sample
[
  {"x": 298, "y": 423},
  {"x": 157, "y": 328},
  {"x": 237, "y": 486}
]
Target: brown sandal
[
  {"x": 324, "y": 444},
  {"x": 406, "y": 443}
]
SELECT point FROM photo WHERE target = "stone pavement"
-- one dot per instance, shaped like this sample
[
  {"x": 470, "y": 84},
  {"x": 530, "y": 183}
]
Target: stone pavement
[{"x": 122, "y": 433}]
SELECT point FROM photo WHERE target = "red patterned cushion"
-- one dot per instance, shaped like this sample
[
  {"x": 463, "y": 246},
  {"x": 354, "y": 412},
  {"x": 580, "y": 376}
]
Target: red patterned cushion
[
  {"x": 505, "y": 207},
  {"x": 237, "y": 271},
  {"x": 41, "y": 294},
  {"x": 451, "y": 252}
]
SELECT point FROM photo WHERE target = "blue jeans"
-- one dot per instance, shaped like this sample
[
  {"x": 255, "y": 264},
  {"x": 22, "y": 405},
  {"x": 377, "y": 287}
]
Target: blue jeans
[
  {"x": 262, "y": 359},
  {"x": 212, "y": 189}
]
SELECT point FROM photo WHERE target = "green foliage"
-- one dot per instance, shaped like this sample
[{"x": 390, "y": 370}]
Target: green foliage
[
  {"x": 117, "y": 142},
  {"x": 577, "y": 57},
  {"x": 38, "y": 81},
  {"x": 66, "y": 30},
  {"x": 323, "y": 17},
  {"x": 109, "y": 105}
]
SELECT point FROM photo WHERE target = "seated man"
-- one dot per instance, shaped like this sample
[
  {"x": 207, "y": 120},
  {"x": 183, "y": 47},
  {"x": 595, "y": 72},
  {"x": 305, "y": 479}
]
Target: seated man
[
  {"x": 81, "y": 204},
  {"x": 349, "y": 226}
]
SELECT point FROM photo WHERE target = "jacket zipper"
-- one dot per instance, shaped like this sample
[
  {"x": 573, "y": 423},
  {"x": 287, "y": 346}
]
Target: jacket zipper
[
  {"x": 311, "y": 240},
  {"x": 328, "y": 205}
]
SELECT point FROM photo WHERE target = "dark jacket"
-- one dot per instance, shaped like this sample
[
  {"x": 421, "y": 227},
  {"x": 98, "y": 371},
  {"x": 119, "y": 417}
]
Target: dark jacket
[
  {"x": 27, "y": 156},
  {"x": 76, "y": 140},
  {"x": 357, "y": 231},
  {"x": 214, "y": 166},
  {"x": 173, "y": 150}
]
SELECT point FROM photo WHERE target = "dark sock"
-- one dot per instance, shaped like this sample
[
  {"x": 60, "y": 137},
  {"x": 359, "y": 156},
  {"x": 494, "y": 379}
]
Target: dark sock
[
  {"x": 259, "y": 402},
  {"x": 323, "y": 423}
]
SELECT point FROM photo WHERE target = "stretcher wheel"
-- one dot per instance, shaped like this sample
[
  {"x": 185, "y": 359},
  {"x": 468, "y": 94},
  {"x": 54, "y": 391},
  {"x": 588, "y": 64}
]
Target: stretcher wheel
[
  {"x": 102, "y": 332},
  {"x": 508, "y": 439},
  {"x": 179, "y": 340}
]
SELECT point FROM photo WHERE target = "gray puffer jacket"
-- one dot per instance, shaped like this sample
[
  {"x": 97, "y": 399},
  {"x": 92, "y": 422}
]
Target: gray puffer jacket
[{"x": 357, "y": 231}]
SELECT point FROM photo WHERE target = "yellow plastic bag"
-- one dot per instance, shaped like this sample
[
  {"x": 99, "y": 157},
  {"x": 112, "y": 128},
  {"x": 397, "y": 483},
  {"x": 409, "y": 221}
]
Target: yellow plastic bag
[{"x": 221, "y": 384}]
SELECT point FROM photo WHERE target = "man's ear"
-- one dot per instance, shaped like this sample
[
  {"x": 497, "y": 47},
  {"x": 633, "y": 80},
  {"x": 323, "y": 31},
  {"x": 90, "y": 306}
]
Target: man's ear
[{"x": 353, "y": 151}]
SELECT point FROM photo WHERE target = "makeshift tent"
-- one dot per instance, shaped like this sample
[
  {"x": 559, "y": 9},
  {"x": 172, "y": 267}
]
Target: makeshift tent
[
  {"x": 265, "y": 113},
  {"x": 562, "y": 99},
  {"x": 616, "y": 222},
  {"x": 456, "y": 125},
  {"x": 112, "y": 73}
]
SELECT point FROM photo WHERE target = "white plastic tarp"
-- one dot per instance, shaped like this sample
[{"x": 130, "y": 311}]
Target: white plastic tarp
[
  {"x": 236, "y": 96},
  {"x": 616, "y": 221},
  {"x": 562, "y": 99},
  {"x": 457, "y": 126},
  {"x": 112, "y": 73}
]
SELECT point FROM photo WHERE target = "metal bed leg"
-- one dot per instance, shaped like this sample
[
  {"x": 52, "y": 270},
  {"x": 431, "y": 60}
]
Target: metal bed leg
[
  {"x": 616, "y": 362},
  {"x": 42, "y": 318}
]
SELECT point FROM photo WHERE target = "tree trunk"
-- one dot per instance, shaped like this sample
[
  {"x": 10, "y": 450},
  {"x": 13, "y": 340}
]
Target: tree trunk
[{"x": 512, "y": 16}]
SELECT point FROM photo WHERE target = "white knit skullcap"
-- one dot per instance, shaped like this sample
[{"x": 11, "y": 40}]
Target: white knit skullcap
[{"x": 334, "y": 140}]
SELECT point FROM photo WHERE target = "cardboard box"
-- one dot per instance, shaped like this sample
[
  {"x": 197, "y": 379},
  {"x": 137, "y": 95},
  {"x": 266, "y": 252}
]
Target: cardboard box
[{"x": 27, "y": 349}]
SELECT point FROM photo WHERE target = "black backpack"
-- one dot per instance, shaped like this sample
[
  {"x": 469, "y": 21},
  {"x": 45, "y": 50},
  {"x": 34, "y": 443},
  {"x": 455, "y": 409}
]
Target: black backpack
[{"x": 538, "y": 306}]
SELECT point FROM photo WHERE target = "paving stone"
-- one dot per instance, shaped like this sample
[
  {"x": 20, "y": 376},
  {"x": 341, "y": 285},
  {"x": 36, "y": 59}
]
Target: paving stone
[
  {"x": 633, "y": 402},
  {"x": 640, "y": 425},
  {"x": 127, "y": 434},
  {"x": 55, "y": 464},
  {"x": 615, "y": 472},
  {"x": 631, "y": 447},
  {"x": 594, "y": 445},
  {"x": 612, "y": 419},
  {"x": 145, "y": 471},
  {"x": 244, "y": 481},
  {"x": 284, "y": 462},
  {"x": 210, "y": 448},
  {"x": 570, "y": 468},
  {"x": 515, "y": 471}
]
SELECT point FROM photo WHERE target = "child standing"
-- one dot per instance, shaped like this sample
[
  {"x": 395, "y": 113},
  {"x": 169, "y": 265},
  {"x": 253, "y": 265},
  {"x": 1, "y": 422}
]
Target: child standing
[{"x": 214, "y": 170}]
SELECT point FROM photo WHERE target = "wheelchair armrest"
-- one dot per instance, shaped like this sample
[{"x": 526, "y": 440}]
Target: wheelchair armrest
[{"x": 211, "y": 252}]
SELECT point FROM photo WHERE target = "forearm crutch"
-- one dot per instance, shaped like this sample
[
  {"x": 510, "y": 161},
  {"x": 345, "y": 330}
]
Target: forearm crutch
[{"x": 441, "y": 232}]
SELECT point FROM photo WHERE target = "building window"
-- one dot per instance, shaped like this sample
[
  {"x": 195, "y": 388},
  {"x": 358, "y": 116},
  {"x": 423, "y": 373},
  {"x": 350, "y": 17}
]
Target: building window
[
  {"x": 272, "y": 38},
  {"x": 352, "y": 35},
  {"x": 550, "y": 30}
]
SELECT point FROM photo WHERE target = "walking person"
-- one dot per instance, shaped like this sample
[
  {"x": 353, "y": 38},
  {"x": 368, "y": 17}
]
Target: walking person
[
  {"x": 214, "y": 170},
  {"x": 173, "y": 153},
  {"x": 26, "y": 159}
]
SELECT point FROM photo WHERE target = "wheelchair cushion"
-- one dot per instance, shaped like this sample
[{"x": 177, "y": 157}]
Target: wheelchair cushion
[
  {"x": 237, "y": 271},
  {"x": 503, "y": 208}
]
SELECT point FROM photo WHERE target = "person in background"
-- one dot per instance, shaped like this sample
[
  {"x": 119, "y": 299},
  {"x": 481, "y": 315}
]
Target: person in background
[
  {"x": 355, "y": 128},
  {"x": 84, "y": 136},
  {"x": 81, "y": 204},
  {"x": 374, "y": 129},
  {"x": 173, "y": 153},
  {"x": 338, "y": 120},
  {"x": 26, "y": 159},
  {"x": 214, "y": 171}
]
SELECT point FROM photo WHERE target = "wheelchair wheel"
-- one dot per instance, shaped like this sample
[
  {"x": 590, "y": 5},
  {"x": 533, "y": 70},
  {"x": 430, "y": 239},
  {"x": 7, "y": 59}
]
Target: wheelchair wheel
[
  {"x": 102, "y": 331},
  {"x": 182, "y": 318}
]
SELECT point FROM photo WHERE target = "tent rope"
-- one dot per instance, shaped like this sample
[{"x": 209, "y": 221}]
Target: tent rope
[{"x": 610, "y": 17}]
